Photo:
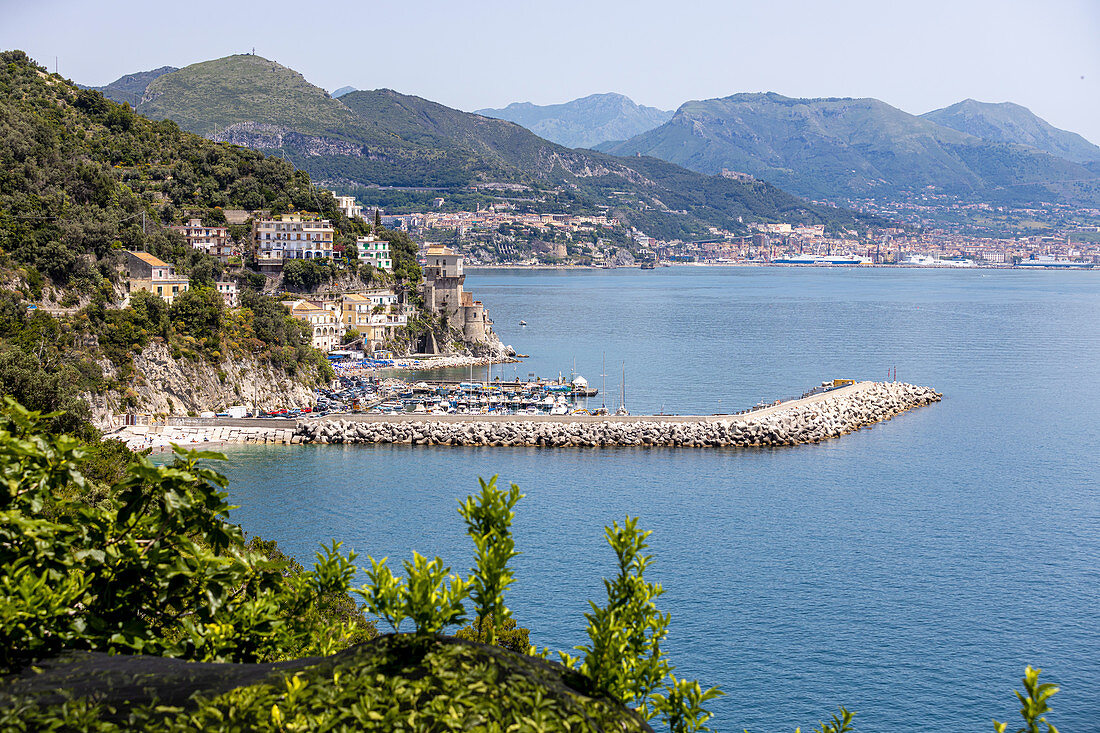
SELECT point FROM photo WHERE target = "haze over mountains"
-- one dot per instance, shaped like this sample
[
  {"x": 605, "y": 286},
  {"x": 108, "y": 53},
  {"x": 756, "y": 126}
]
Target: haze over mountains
[
  {"x": 833, "y": 149},
  {"x": 383, "y": 138},
  {"x": 584, "y": 122},
  {"x": 837, "y": 148}
]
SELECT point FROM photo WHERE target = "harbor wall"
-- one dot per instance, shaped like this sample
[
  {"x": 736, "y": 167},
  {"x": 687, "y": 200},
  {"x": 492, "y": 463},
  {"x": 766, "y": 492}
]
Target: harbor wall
[{"x": 808, "y": 420}]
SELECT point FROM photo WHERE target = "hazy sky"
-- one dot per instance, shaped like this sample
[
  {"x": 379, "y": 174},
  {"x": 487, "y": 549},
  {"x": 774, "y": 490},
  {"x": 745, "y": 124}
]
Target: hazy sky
[{"x": 1044, "y": 54}]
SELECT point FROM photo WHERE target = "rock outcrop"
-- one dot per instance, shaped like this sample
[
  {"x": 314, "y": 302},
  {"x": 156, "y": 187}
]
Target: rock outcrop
[{"x": 165, "y": 385}]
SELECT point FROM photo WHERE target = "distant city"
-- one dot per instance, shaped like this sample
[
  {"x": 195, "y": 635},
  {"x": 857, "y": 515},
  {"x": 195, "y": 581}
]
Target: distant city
[{"x": 498, "y": 236}]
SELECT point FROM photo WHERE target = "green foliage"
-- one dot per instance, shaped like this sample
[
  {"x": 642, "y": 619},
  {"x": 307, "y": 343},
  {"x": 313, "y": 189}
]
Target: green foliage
[
  {"x": 841, "y": 724},
  {"x": 507, "y": 634},
  {"x": 303, "y": 276},
  {"x": 155, "y": 568},
  {"x": 198, "y": 313},
  {"x": 681, "y": 705},
  {"x": 394, "y": 683},
  {"x": 1033, "y": 705},
  {"x": 48, "y": 388},
  {"x": 428, "y": 595},
  {"x": 624, "y": 656},
  {"x": 488, "y": 522}
]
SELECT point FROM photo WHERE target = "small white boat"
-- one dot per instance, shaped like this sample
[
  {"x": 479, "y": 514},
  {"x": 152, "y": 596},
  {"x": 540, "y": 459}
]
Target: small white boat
[{"x": 523, "y": 323}]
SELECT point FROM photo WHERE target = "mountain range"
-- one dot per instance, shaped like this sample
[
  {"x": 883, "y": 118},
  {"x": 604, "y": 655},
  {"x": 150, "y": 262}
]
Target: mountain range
[
  {"x": 382, "y": 138},
  {"x": 833, "y": 149},
  {"x": 839, "y": 148},
  {"x": 584, "y": 122}
]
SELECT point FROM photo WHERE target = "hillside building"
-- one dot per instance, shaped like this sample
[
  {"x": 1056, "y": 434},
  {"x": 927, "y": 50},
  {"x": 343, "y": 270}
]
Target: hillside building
[
  {"x": 291, "y": 237},
  {"x": 228, "y": 290},
  {"x": 376, "y": 315},
  {"x": 327, "y": 329},
  {"x": 214, "y": 241},
  {"x": 153, "y": 275},
  {"x": 374, "y": 252},
  {"x": 443, "y": 294},
  {"x": 347, "y": 205}
]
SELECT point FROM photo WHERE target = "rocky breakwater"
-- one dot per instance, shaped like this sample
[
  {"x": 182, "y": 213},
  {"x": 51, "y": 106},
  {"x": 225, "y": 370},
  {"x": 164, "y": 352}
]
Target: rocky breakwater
[{"x": 808, "y": 420}]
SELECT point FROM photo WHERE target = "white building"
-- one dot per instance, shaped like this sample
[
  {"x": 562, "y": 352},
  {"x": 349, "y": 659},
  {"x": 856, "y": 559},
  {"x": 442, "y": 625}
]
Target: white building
[
  {"x": 292, "y": 237},
  {"x": 347, "y": 205},
  {"x": 374, "y": 252},
  {"x": 228, "y": 290}
]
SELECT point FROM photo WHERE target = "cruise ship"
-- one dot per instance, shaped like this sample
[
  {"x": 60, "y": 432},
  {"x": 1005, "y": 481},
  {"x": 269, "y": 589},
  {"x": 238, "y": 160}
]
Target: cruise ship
[
  {"x": 822, "y": 260},
  {"x": 1050, "y": 262}
]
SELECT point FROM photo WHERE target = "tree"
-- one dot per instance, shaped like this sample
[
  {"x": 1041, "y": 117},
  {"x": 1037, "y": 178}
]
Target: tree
[{"x": 198, "y": 313}]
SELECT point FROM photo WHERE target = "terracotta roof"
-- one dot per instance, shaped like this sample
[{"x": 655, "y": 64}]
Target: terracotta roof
[{"x": 149, "y": 259}]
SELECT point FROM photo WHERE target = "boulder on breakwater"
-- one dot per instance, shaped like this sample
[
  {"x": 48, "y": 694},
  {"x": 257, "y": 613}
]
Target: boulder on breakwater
[{"x": 809, "y": 420}]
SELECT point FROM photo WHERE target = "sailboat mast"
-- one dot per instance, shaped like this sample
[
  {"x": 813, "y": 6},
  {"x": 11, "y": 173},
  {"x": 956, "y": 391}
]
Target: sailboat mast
[
  {"x": 622, "y": 394},
  {"x": 603, "y": 382}
]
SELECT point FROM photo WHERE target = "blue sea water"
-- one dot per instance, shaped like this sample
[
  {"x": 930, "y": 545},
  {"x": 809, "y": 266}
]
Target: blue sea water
[{"x": 908, "y": 572}]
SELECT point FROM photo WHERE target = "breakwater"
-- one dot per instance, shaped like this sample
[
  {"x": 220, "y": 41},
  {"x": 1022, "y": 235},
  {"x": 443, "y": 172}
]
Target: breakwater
[{"x": 808, "y": 420}]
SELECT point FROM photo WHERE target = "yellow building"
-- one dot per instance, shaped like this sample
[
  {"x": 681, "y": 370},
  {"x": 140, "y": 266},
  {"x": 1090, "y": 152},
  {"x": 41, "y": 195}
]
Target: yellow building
[
  {"x": 153, "y": 275},
  {"x": 327, "y": 328}
]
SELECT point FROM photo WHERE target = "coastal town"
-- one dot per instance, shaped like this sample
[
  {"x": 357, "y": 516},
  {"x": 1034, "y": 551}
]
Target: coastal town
[
  {"x": 923, "y": 235},
  {"x": 363, "y": 322}
]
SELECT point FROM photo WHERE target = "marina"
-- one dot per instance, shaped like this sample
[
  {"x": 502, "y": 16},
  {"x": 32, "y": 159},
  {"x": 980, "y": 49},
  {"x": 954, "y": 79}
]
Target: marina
[{"x": 373, "y": 395}]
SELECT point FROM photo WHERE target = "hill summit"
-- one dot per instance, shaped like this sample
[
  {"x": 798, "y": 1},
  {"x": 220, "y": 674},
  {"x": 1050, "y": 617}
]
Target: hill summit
[
  {"x": 1006, "y": 122},
  {"x": 837, "y": 148},
  {"x": 584, "y": 122}
]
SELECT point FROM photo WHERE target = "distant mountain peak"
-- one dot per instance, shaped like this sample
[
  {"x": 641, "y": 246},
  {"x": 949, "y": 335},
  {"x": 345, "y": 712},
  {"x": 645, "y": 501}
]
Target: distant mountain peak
[
  {"x": 131, "y": 87},
  {"x": 584, "y": 122},
  {"x": 1008, "y": 122},
  {"x": 342, "y": 91}
]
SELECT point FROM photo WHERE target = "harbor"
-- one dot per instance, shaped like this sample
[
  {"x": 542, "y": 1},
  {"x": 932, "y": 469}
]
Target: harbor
[
  {"x": 564, "y": 396},
  {"x": 811, "y": 419}
]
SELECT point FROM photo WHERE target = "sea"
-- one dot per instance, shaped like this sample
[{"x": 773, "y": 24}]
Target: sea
[{"x": 908, "y": 572}]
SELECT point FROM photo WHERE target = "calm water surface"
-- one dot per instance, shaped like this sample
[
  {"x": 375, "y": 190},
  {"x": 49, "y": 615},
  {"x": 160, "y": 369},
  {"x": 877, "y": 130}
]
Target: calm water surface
[{"x": 908, "y": 572}]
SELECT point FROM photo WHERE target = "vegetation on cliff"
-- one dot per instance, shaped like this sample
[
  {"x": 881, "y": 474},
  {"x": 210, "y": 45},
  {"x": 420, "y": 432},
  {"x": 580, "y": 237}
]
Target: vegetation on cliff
[{"x": 83, "y": 178}]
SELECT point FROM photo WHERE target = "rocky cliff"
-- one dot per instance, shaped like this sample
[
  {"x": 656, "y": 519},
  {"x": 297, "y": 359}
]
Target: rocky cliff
[{"x": 165, "y": 385}]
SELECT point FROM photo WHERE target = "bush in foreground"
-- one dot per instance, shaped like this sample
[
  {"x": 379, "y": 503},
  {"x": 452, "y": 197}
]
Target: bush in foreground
[{"x": 151, "y": 570}]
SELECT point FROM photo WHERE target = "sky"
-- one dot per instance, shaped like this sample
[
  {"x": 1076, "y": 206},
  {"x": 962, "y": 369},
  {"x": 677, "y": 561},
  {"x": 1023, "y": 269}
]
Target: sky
[{"x": 916, "y": 55}]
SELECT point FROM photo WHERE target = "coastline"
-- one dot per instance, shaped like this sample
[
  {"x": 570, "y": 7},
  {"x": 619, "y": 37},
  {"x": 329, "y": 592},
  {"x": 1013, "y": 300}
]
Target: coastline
[{"x": 881, "y": 266}]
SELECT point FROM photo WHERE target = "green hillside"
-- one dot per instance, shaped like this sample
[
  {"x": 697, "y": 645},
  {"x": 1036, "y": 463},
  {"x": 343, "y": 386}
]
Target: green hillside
[
  {"x": 584, "y": 122},
  {"x": 240, "y": 89},
  {"x": 837, "y": 148},
  {"x": 1011, "y": 123},
  {"x": 385, "y": 139},
  {"x": 81, "y": 180}
]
